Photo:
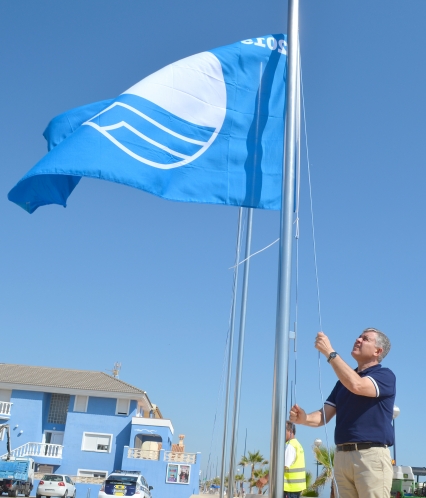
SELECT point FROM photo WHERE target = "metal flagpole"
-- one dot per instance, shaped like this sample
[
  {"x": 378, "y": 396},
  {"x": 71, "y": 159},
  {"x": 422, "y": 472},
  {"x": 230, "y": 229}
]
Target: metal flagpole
[
  {"x": 238, "y": 374},
  {"x": 231, "y": 342},
  {"x": 279, "y": 394}
]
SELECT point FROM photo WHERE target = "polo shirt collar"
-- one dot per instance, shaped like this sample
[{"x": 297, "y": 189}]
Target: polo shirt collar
[{"x": 369, "y": 369}]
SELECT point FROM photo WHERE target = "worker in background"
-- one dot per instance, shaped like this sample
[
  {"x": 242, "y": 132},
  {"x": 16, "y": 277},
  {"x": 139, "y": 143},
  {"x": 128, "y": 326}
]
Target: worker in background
[
  {"x": 363, "y": 401},
  {"x": 294, "y": 461}
]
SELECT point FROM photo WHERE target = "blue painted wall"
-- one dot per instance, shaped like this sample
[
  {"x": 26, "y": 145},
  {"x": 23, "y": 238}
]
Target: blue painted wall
[
  {"x": 99, "y": 418},
  {"x": 27, "y": 413}
]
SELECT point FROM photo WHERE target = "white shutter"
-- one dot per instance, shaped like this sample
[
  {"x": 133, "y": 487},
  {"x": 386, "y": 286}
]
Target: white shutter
[
  {"x": 90, "y": 442},
  {"x": 80, "y": 403},
  {"x": 96, "y": 442},
  {"x": 122, "y": 407}
]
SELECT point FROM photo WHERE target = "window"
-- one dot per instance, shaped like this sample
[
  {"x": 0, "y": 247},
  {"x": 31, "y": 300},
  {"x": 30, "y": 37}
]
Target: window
[
  {"x": 96, "y": 442},
  {"x": 80, "y": 403},
  {"x": 53, "y": 437},
  {"x": 122, "y": 407},
  {"x": 92, "y": 473},
  {"x": 58, "y": 408}
]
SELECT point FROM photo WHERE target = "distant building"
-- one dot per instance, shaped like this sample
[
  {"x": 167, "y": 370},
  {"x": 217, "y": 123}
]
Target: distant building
[{"x": 87, "y": 424}]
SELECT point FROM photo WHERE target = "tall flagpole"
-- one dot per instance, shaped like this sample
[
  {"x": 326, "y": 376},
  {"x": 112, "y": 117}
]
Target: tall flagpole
[
  {"x": 238, "y": 373},
  {"x": 279, "y": 394},
  {"x": 230, "y": 350}
]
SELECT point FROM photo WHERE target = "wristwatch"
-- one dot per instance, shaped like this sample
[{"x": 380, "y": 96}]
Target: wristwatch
[{"x": 332, "y": 356}]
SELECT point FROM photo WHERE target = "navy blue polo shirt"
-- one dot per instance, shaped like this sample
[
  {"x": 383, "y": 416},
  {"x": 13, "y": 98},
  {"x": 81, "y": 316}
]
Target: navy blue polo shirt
[{"x": 365, "y": 419}]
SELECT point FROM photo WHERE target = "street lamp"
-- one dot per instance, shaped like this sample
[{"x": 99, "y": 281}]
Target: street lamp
[
  {"x": 317, "y": 443},
  {"x": 396, "y": 412}
]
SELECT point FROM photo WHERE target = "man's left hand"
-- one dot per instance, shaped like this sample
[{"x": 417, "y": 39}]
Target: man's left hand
[{"x": 323, "y": 344}]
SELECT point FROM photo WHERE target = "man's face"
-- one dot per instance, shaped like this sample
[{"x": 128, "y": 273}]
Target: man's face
[
  {"x": 288, "y": 435},
  {"x": 365, "y": 347}
]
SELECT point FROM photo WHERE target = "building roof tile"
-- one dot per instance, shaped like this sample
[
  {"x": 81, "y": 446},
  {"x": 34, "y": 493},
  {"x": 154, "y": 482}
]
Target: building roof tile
[{"x": 64, "y": 378}]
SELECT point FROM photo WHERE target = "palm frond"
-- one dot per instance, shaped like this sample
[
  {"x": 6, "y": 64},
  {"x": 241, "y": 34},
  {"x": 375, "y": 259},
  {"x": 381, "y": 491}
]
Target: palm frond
[
  {"x": 323, "y": 456},
  {"x": 321, "y": 480}
]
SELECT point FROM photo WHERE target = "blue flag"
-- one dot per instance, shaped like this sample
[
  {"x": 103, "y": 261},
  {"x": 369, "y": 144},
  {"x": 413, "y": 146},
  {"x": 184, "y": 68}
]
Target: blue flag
[{"x": 208, "y": 128}]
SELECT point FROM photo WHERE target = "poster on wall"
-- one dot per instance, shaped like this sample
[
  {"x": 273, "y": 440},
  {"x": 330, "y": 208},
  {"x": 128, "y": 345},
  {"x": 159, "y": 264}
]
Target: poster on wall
[
  {"x": 184, "y": 474},
  {"x": 178, "y": 473},
  {"x": 172, "y": 473}
]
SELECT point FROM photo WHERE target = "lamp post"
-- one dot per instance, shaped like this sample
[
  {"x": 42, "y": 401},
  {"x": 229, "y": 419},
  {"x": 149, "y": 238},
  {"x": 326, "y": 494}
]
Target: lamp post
[
  {"x": 396, "y": 412},
  {"x": 317, "y": 443}
]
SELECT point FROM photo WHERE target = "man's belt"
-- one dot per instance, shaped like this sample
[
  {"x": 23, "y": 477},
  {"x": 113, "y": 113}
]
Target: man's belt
[{"x": 359, "y": 446}]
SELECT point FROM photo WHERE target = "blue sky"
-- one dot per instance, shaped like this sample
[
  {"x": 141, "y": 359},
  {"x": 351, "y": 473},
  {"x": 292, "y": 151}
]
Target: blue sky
[{"x": 120, "y": 275}]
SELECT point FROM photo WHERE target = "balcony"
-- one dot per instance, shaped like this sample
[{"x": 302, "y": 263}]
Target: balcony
[
  {"x": 169, "y": 456},
  {"x": 5, "y": 409},
  {"x": 177, "y": 456},
  {"x": 44, "y": 450},
  {"x": 143, "y": 454}
]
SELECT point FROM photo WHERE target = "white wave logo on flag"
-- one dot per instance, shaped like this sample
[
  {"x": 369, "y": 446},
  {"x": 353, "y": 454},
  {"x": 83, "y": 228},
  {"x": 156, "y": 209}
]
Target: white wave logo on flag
[{"x": 188, "y": 111}]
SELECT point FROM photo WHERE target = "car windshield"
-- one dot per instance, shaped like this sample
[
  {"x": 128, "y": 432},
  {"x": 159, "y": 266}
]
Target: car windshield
[
  {"x": 52, "y": 477},
  {"x": 122, "y": 480}
]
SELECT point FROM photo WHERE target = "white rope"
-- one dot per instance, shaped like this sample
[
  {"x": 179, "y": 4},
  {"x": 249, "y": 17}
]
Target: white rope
[
  {"x": 316, "y": 277},
  {"x": 254, "y": 254}
]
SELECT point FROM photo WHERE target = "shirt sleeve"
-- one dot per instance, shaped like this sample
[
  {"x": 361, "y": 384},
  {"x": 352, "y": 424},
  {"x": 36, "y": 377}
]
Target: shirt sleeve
[
  {"x": 290, "y": 455},
  {"x": 331, "y": 400},
  {"x": 384, "y": 381}
]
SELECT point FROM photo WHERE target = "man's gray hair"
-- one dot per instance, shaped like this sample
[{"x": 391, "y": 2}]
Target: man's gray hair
[{"x": 382, "y": 341}]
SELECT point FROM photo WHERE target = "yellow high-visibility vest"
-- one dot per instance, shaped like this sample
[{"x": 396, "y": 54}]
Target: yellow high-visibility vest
[{"x": 295, "y": 476}]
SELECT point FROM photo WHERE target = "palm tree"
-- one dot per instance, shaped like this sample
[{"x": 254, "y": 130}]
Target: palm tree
[
  {"x": 260, "y": 479},
  {"x": 239, "y": 478},
  {"x": 253, "y": 459},
  {"x": 326, "y": 459}
]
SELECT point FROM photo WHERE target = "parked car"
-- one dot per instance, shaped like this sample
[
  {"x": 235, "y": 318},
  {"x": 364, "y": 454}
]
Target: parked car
[
  {"x": 125, "y": 483},
  {"x": 56, "y": 485}
]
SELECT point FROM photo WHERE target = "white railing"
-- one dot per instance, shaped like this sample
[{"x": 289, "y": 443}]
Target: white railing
[
  {"x": 144, "y": 454},
  {"x": 38, "y": 449},
  {"x": 5, "y": 408},
  {"x": 173, "y": 456},
  {"x": 82, "y": 479}
]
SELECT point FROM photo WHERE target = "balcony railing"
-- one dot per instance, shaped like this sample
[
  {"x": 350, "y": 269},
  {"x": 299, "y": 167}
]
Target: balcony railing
[
  {"x": 172, "y": 456},
  {"x": 5, "y": 409},
  {"x": 38, "y": 450},
  {"x": 144, "y": 454}
]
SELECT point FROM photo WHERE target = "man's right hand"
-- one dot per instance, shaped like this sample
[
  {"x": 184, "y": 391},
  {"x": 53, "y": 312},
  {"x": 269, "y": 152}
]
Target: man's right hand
[{"x": 297, "y": 415}]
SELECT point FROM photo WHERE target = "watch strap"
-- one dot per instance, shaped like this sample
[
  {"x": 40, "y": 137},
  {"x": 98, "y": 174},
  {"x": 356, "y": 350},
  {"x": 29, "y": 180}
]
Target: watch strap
[{"x": 332, "y": 355}]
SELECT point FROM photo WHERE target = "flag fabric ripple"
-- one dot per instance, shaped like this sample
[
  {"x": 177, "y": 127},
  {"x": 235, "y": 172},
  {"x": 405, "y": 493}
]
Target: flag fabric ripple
[{"x": 208, "y": 128}]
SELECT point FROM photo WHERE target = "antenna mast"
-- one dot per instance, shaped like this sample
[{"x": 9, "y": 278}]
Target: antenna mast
[{"x": 116, "y": 370}]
